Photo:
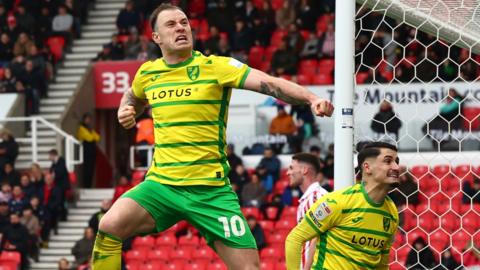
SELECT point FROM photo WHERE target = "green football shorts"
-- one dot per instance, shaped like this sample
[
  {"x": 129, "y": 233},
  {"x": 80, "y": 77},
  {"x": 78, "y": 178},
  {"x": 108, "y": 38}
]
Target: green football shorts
[{"x": 214, "y": 211}]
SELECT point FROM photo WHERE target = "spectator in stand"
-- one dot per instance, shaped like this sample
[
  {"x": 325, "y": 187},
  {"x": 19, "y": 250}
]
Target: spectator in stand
[
  {"x": 257, "y": 232},
  {"x": 17, "y": 203},
  {"x": 281, "y": 124},
  {"x": 210, "y": 45},
  {"x": 251, "y": 12},
  {"x": 95, "y": 218},
  {"x": 146, "y": 50},
  {"x": 260, "y": 31},
  {"x": 132, "y": 46},
  {"x": 241, "y": 40},
  {"x": 11, "y": 175},
  {"x": 28, "y": 188},
  {"x": 385, "y": 121},
  {"x": 253, "y": 193},
  {"x": 123, "y": 186},
  {"x": 83, "y": 247},
  {"x": 295, "y": 39},
  {"x": 17, "y": 65},
  {"x": 40, "y": 65},
  {"x": 271, "y": 163},
  {"x": 221, "y": 15},
  {"x": 8, "y": 84},
  {"x": 447, "y": 71},
  {"x": 64, "y": 264},
  {"x": 471, "y": 191},
  {"x": 6, "y": 50},
  {"x": 471, "y": 256},
  {"x": 447, "y": 261},
  {"x": 8, "y": 148},
  {"x": 12, "y": 28},
  {"x": 232, "y": 158},
  {"x": 117, "y": 50},
  {"x": 15, "y": 238},
  {"x": 31, "y": 222},
  {"x": 224, "y": 48},
  {"x": 324, "y": 182},
  {"x": 105, "y": 54},
  {"x": 25, "y": 19},
  {"x": 62, "y": 24},
  {"x": 34, "y": 83},
  {"x": 43, "y": 24},
  {"x": 327, "y": 43},
  {"x": 239, "y": 178},
  {"x": 420, "y": 256},
  {"x": 4, "y": 218},
  {"x": 89, "y": 138},
  {"x": 59, "y": 171},
  {"x": 452, "y": 108},
  {"x": 277, "y": 203},
  {"x": 3, "y": 14},
  {"x": 6, "y": 192},
  {"x": 37, "y": 179},
  {"x": 53, "y": 200},
  {"x": 40, "y": 211},
  {"x": 284, "y": 60},
  {"x": 311, "y": 47},
  {"x": 285, "y": 15},
  {"x": 128, "y": 18},
  {"x": 268, "y": 16},
  {"x": 407, "y": 191},
  {"x": 306, "y": 17}
]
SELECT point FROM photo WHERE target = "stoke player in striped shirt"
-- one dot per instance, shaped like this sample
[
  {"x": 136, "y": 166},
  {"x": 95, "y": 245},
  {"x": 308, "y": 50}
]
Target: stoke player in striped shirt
[{"x": 303, "y": 171}]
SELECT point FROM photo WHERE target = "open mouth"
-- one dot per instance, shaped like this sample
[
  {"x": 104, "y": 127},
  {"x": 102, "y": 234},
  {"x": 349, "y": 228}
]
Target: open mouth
[
  {"x": 394, "y": 174},
  {"x": 181, "y": 38}
]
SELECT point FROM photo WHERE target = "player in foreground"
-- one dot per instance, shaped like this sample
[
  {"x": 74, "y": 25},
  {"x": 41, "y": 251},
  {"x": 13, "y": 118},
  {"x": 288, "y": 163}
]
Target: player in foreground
[
  {"x": 355, "y": 225},
  {"x": 303, "y": 171},
  {"x": 189, "y": 95}
]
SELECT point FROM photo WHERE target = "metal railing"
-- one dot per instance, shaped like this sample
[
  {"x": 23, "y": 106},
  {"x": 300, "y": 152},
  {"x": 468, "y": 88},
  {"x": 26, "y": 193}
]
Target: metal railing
[
  {"x": 70, "y": 143},
  {"x": 134, "y": 152}
]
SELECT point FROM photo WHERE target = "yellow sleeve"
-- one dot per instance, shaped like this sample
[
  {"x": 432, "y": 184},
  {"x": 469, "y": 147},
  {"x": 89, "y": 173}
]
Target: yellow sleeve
[
  {"x": 137, "y": 83},
  {"x": 96, "y": 136},
  {"x": 232, "y": 73},
  {"x": 82, "y": 133},
  {"x": 294, "y": 244},
  {"x": 325, "y": 213}
]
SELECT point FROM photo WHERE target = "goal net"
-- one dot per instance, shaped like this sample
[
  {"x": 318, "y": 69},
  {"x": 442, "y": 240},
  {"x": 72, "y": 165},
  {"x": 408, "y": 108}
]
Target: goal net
[{"x": 417, "y": 70}]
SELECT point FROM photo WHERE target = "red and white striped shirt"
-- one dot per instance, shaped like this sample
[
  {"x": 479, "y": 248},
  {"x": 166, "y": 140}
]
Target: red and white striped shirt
[{"x": 311, "y": 195}]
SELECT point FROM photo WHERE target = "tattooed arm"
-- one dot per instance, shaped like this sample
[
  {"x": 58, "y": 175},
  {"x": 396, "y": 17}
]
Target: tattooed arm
[
  {"x": 287, "y": 91},
  {"x": 130, "y": 107}
]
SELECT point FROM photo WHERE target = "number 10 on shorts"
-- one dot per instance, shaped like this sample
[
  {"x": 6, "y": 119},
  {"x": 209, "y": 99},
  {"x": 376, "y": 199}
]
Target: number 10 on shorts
[{"x": 235, "y": 226}]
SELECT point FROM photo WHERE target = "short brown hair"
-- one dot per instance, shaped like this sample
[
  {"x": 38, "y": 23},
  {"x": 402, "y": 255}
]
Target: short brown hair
[
  {"x": 158, "y": 10},
  {"x": 310, "y": 159}
]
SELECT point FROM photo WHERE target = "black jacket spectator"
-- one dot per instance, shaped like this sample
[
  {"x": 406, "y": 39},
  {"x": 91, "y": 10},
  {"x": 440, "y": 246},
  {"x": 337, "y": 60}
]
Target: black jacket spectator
[
  {"x": 6, "y": 49},
  {"x": 11, "y": 28},
  {"x": 105, "y": 54},
  {"x": 8, "y": 148},
  {"x": 271, "y": 163},
  {"x": 306, "y": 17},
  {"x": 406, "y": 191},
  {"x": 3, "y": 14},
  {"x": 82, "y": 249},
  {"x": 11, "y": 175},
  {"x": 210, "y": 45},
  {"x": 385, "y": 121},
  {"x": 257, "y": 232},
  {"x": 4, "y": 218},
  {"x": 117, "y": 50},
  {"x": 471, "y": 191},
  {"x": 16, "y": 238},
  {"x": 44, "y": 25},
  {"x": 25, "y": 19},
  {"x": 8, "y": 85},
  {"x": 95, "y": 218},
  {"x": 447, "y": 261},
  {"x": 59, "y": 170},
  {"x": 17, "y": 203},
  {"x": 420, "y": 256},
  {"x": 284, "y": 61},
  {"x": 242, "y": 37},
  {"x": 128, "y": 18},
  {"x": 260, "y": 31}
]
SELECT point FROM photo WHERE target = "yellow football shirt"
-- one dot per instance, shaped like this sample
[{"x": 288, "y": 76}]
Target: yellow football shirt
[
  {"x": 354, "y": 232},
  {"x": 189, "y": 102}
]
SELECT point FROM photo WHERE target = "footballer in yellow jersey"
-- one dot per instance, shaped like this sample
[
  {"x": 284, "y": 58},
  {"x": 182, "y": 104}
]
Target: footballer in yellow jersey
[
  {"x": 189, "y": 95},
  {"x": 356, "y": 225}
]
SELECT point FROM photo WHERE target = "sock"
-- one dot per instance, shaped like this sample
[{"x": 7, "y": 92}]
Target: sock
[{"x": 107, "y": 252}]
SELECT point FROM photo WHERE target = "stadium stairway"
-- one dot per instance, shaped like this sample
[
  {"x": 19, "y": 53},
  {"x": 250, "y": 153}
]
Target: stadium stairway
[
  {"x": 98, "y": 31},
  {"x": 71, "y": 230}
]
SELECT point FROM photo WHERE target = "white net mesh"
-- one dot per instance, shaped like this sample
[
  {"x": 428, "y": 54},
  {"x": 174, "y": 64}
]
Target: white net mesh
[{"x": 413, "y": 60}]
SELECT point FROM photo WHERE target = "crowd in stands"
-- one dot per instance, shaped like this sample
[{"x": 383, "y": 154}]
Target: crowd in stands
[{"x": 32, "y": 37}]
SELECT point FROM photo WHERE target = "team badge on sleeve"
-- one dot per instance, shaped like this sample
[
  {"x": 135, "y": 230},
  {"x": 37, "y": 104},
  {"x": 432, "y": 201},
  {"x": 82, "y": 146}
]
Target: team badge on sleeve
[
  {"x": 234, "y": 62},
  {"x": 322, "y": 211}
]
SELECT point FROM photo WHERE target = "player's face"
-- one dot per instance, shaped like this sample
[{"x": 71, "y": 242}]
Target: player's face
[
  {"x": 385, "y": 168},
  {"x": 172, "y": 32},
  {"x": 295, "y": 174}
]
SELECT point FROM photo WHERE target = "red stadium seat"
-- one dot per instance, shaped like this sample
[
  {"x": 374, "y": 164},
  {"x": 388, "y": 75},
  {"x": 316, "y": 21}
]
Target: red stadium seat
[
  {"x": 428, "y": 184},
  {"x": 402, "y": 253},
  {"x": 460, "y": 239},
  {"x": 168, "y": 240},
  {"x": 396, "y": 266},
  {"x": 271, "y": 252},
  {"x": 265, "y": 66},
  {"x": 280, "y": 186},
  {"x": 147, "y": 30},
  {"x": 134, "y": 265},
  {"x": 440, "y": 171},
  {"x": 326, "y": 65},
  {"x": 277, "y": 4},
  {"x": 176, "y": 265},
  {"x": 271, "y": 212},
  {"x": 440, "y": 203},
  {"x": 10, "y": 260},
  {"x": 472, "y": 118},
  {"x": 361, "y": 77},
  {"x": 269, "y": 51},
  {"x": 289, "y": 211},
  {"x": 280, "y": 265},
  {"x": 255, "y": 56},
  {"x": 414, "y": 234},
  {"x": 285, "y": 224},
  {"x": 450, "y": 222},
  {"x": 399, "y": 239},
  {"x": 154, "y": 265},
  {"x": 267, "y": 265},
  {"x": 201, "y": 265},
  {"x": 419, "y": 170},
  {"x": 56, "y": 45},
  {"x": 277, "y": 238},
  {"x": 322, "y": 79},
  {"x": 304, "y": 79},
  {"x": 122, "y": 38},
  {"x": 439, "y": 240},
  {"x": 143, "y": 242},
  {"x": 277, "y": 36},
  {"x": 159, "y": 254},
  {"x": 251, "y": 211},
  {"x": 463, "y": 172},
  {"x": 217, "y": 265},
  {"x": 2, "y": 72},
  {"x": 181, "y": 253},
  {"x": 188, "y": 241},
  {"x": 136, "y": 255},
  {"x": 428, "y": 221},
  {"x": 308, "y": 67},
  {"x": 305, "y": 34},
  {"x": 267, "y": 225},
  {"x": 471, "y": 222},
  {"x": 450, "y": 185},
  {"x": 203, "y": 253}
]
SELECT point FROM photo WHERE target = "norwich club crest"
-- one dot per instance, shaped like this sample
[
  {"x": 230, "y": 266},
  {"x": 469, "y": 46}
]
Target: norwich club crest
[
  {"x": 386, "y": 224},
  {"x": 193, "y": 72}
]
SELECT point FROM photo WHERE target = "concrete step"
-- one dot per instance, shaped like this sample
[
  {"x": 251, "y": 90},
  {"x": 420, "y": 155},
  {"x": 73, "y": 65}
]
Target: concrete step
[
  {"x": 103, "y": 12},
  {"x": 99, "y": 27},
  {"x": 96, "y": 34},
  {"x": 55, "y": 258},
  {"x": 65, "y": 238},
  {"x": 70, "y": 231},
  {"x": 72, "y": 224},
  {"x": 44, "y": 266},
  {"x": 28, "y": 158},
  {"x": 99, "y": 195},
  {"x": 54, "y": 251},
  {"x": 54, "y": 101},
  {"x": 40, "y": 149},
  {"x": 87, "y": 49},
  {"x": 92, "y": 41},
  {"x": 76, "y": 64},
  {"x": 116, "y": 5},
  {"x": 62, "y": 86},
  {"x": 59, "y": 94},
  {"x": 66, "y": 245},
  {"x": 27, "y": 164},
  {"x": 102, "y": 20},
  {"x": 80, "y": 56},
  {"x": 71, "y": 71},
  {"x": 44, "y": 133},
  {"x": 88, "y": 204},
  {"x": 84, "y": 211},
  {"x": 71, "y": 78},
  {"x": 52, "y": 109},
  {"x": 77, "y": 217}
]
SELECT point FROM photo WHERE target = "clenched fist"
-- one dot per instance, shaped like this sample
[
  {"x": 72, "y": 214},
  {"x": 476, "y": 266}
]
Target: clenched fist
[
  {"x": 126, "y": 116},
  {"x": 322, "y": 107}
]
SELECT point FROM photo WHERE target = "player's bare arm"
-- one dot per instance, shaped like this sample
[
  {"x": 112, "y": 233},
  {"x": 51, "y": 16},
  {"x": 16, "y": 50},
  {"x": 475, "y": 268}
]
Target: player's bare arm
[
  {"x": 130, "y": 107},
  {"x": 311, "y": 254},
  {"x": 287, "y": 91}
]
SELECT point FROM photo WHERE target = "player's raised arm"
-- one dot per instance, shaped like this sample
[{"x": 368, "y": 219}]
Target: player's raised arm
[
  {"x": 130, "y": 107},
  {"x": 294, "y": 244},
  {"x": 287, "y": 91}
]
